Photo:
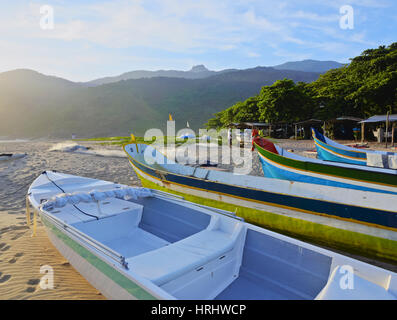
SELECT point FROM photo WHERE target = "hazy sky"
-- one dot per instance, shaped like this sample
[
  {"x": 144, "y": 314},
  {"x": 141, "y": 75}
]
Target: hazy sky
[{"x": 92, "y": 39}]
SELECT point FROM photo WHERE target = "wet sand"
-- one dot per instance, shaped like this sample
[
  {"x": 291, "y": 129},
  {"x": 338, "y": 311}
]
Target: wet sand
[{"x": 21, "y": 255}]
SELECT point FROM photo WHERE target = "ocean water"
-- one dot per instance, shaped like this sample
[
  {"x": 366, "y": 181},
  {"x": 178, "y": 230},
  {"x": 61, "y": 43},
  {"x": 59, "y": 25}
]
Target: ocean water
[{"x": 17, "y": 175}]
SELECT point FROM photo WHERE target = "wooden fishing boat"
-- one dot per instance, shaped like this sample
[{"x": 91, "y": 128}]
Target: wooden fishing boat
[
  {"x": 359, "y": 221},
  {"x": 330, "y": 150},
  {"x": 281, "y": 164},
  {"x": 138, "y": 243}
]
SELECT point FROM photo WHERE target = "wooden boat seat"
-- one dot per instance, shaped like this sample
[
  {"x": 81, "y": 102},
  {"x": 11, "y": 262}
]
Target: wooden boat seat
[{"x": 169, "y": 262}]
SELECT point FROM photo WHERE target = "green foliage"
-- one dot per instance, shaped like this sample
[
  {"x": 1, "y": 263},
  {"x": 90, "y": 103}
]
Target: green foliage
[
  {"x": 367, "y": 86},
  {"x": 281, "y": 101},
  {"x": 284, "y": 101},
  {"x": 34, "y": 105}
]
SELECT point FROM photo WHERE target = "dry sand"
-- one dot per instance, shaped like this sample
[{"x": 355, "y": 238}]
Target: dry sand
[{"x": 21, "y": 255}]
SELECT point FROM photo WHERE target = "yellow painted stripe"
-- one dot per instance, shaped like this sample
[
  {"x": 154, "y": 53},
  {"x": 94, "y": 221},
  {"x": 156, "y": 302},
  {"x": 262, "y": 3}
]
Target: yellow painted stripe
[
  {"x": 226, "y": 184},
  {"x": 269, "y": 203},
  {"x": 314, "y": 137},
  {"x": 325, "y": 174},
  {"x": 341, "y": 239},
  {"x": 340, "y": 155}
]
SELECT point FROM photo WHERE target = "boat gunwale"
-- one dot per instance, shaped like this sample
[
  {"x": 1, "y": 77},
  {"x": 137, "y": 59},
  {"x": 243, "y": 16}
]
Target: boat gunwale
[{"x": 374, "y": 225}]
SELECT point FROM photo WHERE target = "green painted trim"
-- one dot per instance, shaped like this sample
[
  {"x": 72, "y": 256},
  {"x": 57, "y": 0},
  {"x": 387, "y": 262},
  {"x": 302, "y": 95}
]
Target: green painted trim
[
  {"x": 102, "y": 266},
  {"x": 350, "y": 173},
  {"x": 345, "y": 240}
]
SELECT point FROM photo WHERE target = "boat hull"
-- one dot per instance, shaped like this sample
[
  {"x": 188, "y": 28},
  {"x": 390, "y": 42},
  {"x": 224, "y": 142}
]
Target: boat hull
[
  {"x": 329, "y": 153},
  {"x": 330, "y": 150},
  {"x": 113, "y": 284},
  {"x": 343, "y": 175},
  {"x": 303, "y": 218},
  {"x": 272, "y": 169}
]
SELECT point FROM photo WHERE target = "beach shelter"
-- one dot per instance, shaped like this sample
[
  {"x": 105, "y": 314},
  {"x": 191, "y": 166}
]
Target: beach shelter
[
  {"x": 342, "y": 127},
  {"x": 387, "y": 118},
  {"x": 304, "y": 126}
]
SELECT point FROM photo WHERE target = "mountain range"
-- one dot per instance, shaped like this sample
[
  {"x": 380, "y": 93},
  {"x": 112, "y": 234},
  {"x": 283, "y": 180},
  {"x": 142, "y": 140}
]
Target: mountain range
[
  {"x": 37, "y": 105},
  {"x": 309, "y": 66},
  {"x": 200, "y": 71},
  {"x": 197, "y": 72}
]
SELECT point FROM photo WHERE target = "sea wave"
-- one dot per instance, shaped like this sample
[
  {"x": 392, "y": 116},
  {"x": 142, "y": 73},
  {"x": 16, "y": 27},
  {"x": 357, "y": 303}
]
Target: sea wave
[{"x": 76, "y": 148}]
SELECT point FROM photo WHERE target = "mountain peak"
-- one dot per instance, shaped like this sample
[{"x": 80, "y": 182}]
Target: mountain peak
[{"x": 199, "y": 68}]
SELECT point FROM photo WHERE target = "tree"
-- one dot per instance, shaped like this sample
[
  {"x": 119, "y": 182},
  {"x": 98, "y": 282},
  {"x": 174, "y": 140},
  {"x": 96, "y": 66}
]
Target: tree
[
  {"x": 284, "y": 101},
  {"x": 367, "y": 86}
]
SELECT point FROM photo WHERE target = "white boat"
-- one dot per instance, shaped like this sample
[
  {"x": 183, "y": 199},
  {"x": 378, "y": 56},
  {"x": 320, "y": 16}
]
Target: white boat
[{"x": 139, "y": 243}]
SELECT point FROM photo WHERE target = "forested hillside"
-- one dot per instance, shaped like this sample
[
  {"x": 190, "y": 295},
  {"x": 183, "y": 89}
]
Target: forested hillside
[
  {"x": 35, "y": 105},
  {"x": 365, "y": 87}
]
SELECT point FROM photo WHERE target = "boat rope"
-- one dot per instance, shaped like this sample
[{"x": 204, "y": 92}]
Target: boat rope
[
  {"x": 63, "y": 199},
  {"x": 126, "y": 193},
  {"x": 87, "y": 214}
]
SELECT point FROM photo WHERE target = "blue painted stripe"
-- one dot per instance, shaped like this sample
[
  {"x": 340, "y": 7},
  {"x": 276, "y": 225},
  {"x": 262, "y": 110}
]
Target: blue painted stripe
[
  {"x": 324, "y": 154},
  {"x": 317, "y": 134},
  {"x": 367, "y": 215},
  {"x": 320, "y": 139},
  {"x": 272, "y": 171},
  {"x": 353, "y": 154}
]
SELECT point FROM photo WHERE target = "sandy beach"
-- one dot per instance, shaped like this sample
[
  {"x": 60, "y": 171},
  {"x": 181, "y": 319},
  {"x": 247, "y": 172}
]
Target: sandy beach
[{"x": 21, "y": 255}]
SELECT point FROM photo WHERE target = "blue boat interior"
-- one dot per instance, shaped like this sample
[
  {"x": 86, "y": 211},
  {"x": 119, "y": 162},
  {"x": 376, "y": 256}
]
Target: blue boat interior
[
  {"x": 274, "y": 269},
  {"x": 173, "y": 245}
]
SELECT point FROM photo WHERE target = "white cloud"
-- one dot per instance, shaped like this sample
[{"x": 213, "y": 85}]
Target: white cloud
[
  {"x": 252, "y": 54},
  {"x": 168, "y": 24},
  {"x": 111, "y": 32}
]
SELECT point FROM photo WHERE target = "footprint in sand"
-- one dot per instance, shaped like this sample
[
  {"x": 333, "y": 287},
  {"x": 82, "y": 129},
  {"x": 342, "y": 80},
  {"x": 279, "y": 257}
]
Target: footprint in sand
[
  {"x": 17, "y": 236},
  {"x": 4, "y": 278},
  {"x": 5, "y": 248},
  {"x": 32, "y": 282},
  {"x": 14, "y": 227},
  {"x": 15, "y": 259},
  {"x": 4, "y": 230}
]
